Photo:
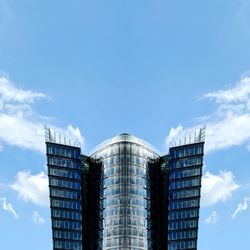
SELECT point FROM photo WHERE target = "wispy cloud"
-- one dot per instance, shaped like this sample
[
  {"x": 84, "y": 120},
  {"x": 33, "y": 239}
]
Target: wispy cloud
[
  {"x": 175, "y": 134},
  {"x": 37, "y": 219},
  {"x": 8, "y": 207},
  {"x": 10, "y": 93},
  {"x": 241, "y": 21},
  {"x": 241, "y": 207},
  {"x": 32, "y": 188},
  {"x": 216, "y": 188},
  {"x": 229, "y": 125},
  {"x": 239, "y": 93},
  {"x": 212, "y": 218},
  {"x": 7, "y": 17},
  {"x": 19, "y": 124}
]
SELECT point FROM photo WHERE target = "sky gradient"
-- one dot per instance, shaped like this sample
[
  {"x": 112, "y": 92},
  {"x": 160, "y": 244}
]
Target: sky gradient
[{"x": 94, "y": 69}]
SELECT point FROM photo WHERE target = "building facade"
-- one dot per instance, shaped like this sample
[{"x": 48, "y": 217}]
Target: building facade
[{"x": 125, "y": 195}]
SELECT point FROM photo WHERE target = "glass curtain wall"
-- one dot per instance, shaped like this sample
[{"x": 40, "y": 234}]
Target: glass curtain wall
[
  {"x": 184, "y": 196},
  {"x": 65, "y": 196},
  {"x": 125, "y": 196}
]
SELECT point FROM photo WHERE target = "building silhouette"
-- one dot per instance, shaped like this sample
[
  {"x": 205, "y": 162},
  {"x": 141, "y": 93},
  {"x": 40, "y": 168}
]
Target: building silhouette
[{"x": 125, "y": 195}]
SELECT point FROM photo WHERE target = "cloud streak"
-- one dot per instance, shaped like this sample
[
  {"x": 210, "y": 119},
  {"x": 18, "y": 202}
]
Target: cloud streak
[
  {"x": 19, "y": 125},
  {"x": 217, "y": 188},
  {"x": 37, "y": 219},
  {"x": 229, "y": 125},
  {"x": 239, "y": 93},
  {"x": 8, "y": 207},
  {"x": 241, "y": 207},
  {"x": 212, "y": 218},
  {"x": 10, "y": 93},
  {"x": 32, "y": 188}
]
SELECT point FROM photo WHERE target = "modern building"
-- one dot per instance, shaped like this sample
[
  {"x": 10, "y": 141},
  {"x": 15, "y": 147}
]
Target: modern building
[{"x": 125, "y": 195}]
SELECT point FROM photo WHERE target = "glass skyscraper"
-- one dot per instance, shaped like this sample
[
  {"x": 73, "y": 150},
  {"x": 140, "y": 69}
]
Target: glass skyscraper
[{"x": 125, "y": 195}]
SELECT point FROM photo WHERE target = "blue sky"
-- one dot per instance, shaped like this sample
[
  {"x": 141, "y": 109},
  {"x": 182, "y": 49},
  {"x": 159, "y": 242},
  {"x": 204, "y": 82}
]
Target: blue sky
[{"x": 93, "y": 69}]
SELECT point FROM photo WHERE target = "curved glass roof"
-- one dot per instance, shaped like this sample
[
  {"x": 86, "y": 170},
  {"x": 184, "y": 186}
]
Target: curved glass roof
[{"x": 124, "y": 137}]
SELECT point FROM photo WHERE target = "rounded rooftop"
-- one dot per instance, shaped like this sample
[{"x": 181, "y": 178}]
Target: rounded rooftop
[{"x": 124, "y": 137}]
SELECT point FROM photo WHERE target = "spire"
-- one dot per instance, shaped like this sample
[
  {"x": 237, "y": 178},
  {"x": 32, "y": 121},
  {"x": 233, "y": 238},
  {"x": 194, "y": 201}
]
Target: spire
[
  {"x": 53, "y": 137},
  {"x": 195, "y": 137}
]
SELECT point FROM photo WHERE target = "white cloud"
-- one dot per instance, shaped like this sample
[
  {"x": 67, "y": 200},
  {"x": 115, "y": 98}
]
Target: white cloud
[
  {"x": 37, "y": 219},
  {"x": 179, "y": 135},
  {"x": 230, "y": 125},
  {"x": 19, "y": 131},
  {"x": 75, "y": 134},
  {"x": 70, "y": 136},
  {"x": 212, "y": 218},
  {"x": 19, "y": 124},
  {"x": 241, "y": 207},
  {"x": 32, "y": 188},
  {"x": 8, "y": 207},
  {"x": 232, "y": 130},
  {"x": 239, "y": 93},
  {"x": 216, "y": 188},
  {"x": 9, "y": 93},
  {"x": 175, "y": 134}
]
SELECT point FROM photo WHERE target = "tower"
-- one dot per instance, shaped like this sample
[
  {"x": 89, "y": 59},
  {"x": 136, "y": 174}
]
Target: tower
[{"x": 125, "y": 195}]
